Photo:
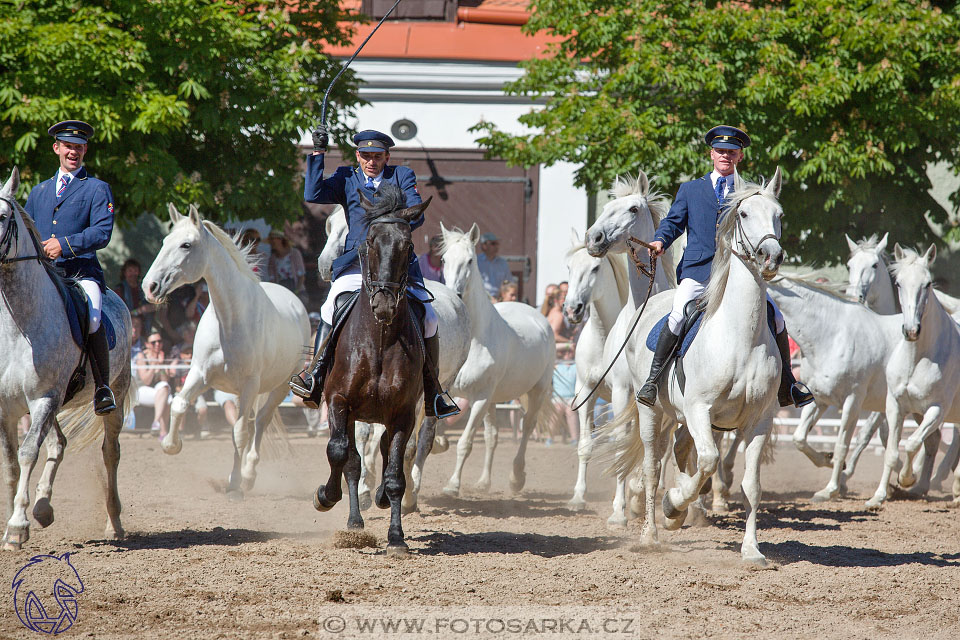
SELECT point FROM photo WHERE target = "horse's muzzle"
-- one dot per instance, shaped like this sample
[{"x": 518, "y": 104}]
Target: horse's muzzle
[
  {"x": 574, "y": 314},
  {"x": 912, "y": 334}
]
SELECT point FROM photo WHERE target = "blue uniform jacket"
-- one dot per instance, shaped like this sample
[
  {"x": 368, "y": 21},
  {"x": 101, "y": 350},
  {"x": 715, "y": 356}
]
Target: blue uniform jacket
[
  {"x": 696, "y": 211},
  {"x": 81, "y": 219},
  {"x": 341, "y": 188}
]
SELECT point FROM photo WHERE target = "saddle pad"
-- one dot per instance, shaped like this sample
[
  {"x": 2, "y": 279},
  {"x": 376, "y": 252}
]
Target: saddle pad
[
  {"x": 75, "y": 305},
  {"x": 654, "y": 334}
]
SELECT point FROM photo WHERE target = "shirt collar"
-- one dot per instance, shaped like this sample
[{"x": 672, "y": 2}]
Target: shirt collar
[
  {"x": 376, "y": 181},
  {"x": 715, "y": 175},
  {"x": 73, "y": 174}
]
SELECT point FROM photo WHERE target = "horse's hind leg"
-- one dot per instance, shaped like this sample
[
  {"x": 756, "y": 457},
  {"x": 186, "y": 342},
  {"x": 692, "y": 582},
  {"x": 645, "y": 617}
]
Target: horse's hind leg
[
  {"x": 112, "y": 425},
  {"x": 338, "y": 453},
  {"x": 477, "y": 411},
  {"x": 42, "y": 509},
  {"x": 808, "y": 417},
  {"x": 193, "y": 386},
  {"x": 949, "y": 461},
  {"x": 848, "y": 420},
  {"x": 876, "y": 420},
  {"x": 264, "y": 418},
  {"x": 923, "y": 464},
  {"x": 18, "y": 526},
  {"x": 246, "y": 409},
  {"x": 536, "y": 397},
  {"x": 425, "y": 443},
  {"x": 361, "y": 435}
]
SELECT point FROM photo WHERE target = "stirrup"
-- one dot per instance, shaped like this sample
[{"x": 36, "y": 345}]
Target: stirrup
[
  {"x": 441, "y": 397},
  {"x": 797, "y": 393},
  {"x": 300, "y": 387},
  {"x": 103, "y": 401}
]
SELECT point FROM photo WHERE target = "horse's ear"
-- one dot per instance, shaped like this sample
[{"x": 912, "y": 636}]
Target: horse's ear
[
  {"x": 775, "y": 183},
  {"x": 897, "y": 251},
  {"x": 13, "y": 183},
  {"x": 737, "y": 181},
  {"x": 883, "y": 242},
  {"x": 195, "y": 216},
  {"x": 175, "y": 216},
  {"x": 643, "y": 183},
  {"x": 443, "y": 230},
  {"x": 574, "y": 237},
  {"x": 474, "y": 233},
  {"x": 930, "y": 255},
  {"x": 414, "y": 212},
  {"x": 364, "y": 202},
  {"x": 851, "y": 244}
]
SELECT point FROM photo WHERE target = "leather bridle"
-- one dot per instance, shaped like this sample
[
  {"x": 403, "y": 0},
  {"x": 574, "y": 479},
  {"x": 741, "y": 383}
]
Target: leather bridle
[
  {"x": 748, "y": 250},
  {"x": 386, "y": 287},
  {"x": 11, "y": 235}
]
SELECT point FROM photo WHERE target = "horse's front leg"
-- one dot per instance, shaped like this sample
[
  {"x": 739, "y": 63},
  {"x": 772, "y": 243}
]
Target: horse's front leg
[
  {"x": 18, "y": 526},
  {"x": 620, "y": 398},
  {"x": 949, "y": 461},
  {"x": 338, "y": 453},
  {"x": 56, "y": 443},
  {"x": 352, "y": 470},
  {"x": 677, "y": 499},
  {"x": 584, "y": 448},
  {"x": 425, "y": 443},
  {"x": 750, "y": 549},
  {"x": 892, "y": 453},
  {"x": 193, "y": 386},
  {"x": 394, "y": 482},
  {"x": 932, "y": 421},
  {"x": 490, "y": 437},
  {"x": 808, "y": 417},
  {"x": 875, "y": 421},
  {"x": 242, "y": 432},
  {"x": 110, "y": 450},
  {"x": 536, "y": 398},
  {"x": 465, "y": 444},
  {"x": 268, "y": 409},
  {"x": 9, "y": 440},
  {"x": 723, "y": 480}
]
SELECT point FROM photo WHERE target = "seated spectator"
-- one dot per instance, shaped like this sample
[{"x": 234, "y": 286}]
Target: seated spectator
[
  {"x": 154, "y": 373},
  {"x": 228, "y": 402},
  {"x": 431, "y": 266},
  {"x": 188, "y": 333},
  {"x": 564, "y": 389},
  {"x": 285, "y": 265},
  {"x": 130, "y": 292},
  {"x": 136, "y": 326},
  {"x": 508, "y": 291},
  {"x": 561, "y": 330},
  {"x": 493, "y": 269},
  {"x": 197, "y": 304}
]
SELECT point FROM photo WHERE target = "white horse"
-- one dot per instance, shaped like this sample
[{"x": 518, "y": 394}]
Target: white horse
[
  {"x": 333, "y": 248},
  {"x": 844, "y": 350},
  {"x": 249, "y": 341},
  {"x": 38, "y": 359},
  {"x": 732, "y": 367},
  {"x": 512, "y": 353},
  {"x": 923, "y": 374}
]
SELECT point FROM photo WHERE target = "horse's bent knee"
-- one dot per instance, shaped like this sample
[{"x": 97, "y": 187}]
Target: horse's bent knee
[{"x": 178, "y": 406}]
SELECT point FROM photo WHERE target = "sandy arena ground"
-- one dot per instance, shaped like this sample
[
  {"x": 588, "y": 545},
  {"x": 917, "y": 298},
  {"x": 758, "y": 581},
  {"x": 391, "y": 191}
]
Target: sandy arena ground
[{"x": 196, "y": 565}]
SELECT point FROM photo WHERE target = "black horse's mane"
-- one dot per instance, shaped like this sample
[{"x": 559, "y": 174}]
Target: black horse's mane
[{"x": 389, "y": 198}]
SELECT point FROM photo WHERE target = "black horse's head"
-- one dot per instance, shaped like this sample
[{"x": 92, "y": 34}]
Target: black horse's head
[{"x": 386, "y": 254}]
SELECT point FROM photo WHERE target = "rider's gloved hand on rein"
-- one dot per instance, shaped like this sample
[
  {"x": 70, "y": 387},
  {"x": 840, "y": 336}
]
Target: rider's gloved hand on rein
[{"x": 320, "y": 139}]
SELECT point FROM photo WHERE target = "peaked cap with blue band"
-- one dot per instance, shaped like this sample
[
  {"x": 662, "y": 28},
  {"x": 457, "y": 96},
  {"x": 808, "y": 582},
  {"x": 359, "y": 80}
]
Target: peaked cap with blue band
[
  {"x": 726, "y": 137},
  {"x": 372, "y": 140},
  {"x": 75, "y": 131}
]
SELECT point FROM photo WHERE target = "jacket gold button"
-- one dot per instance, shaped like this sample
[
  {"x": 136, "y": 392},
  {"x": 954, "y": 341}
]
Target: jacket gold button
[{"x": 54, "y": 222}]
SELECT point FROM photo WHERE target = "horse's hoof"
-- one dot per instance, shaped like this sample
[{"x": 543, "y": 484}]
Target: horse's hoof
[
  {"x": 365, "y": 501},
  {"x": 482, "y": 486},
  {"x": 874, "y": 504},
  {"x": 235, "y": 495},
  {"x": 247, "y": 483},
  {"x": 114, "y": 534},
  {"x": 824, "y": 495},
  {"x": 616, "y": 521},
  {"x": 517, "y": 481},
  {"x": 452, "y": 490},
  {"x": 15, "y": 538},
  {"x": 407, "y": 508},
  {"x": 720, "y": 506},
  {"x": 171, "y": 447},
  {"x": 905, "y": 481},
  {"x": 320, "y": 503},
  {"x": 440, "y": 444},
  {"x": 43, "y": 512},
  {"x": 577, "y": 504},
  {"x": 673, "y": 517},
  {"x": 355, "y": 525},
  {"x": 755, "y": 560},
  {"x": 381, "y": 499},
  {"x": 398, "y": 550}
]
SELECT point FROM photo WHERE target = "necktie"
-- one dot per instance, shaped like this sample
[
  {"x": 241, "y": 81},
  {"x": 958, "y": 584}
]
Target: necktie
[
  {"x": 64, "y": 181},
  {"x": 721, "y": 188},
  {"x": 369, "y": 184}
]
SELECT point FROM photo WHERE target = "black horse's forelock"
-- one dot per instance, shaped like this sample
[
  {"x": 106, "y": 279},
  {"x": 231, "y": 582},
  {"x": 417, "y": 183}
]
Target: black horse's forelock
[{"x": 389, "y": 199}]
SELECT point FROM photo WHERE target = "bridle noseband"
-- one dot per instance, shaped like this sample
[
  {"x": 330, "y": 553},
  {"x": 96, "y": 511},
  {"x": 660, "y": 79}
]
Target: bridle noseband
[
  {"x": 748, "y": 250},
  {"x": 11, "y": 234},
  {"x": 373, "y": 287}
]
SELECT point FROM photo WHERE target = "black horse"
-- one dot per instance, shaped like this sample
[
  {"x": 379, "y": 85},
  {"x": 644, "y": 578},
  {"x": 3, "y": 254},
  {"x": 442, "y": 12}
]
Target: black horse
[{"x": 377, "y": 365}]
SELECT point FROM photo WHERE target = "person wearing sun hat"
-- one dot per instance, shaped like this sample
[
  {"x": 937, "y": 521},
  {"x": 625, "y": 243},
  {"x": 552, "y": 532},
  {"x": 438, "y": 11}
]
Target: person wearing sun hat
[
  {"x": 73, "y": 212},
  {"x": 344, "y": 188},
  {"x": 697, "y": 210}
]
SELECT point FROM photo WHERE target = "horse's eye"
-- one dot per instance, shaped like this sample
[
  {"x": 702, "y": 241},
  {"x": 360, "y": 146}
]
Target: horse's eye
[
  {"x": 634, "y": 209},
  {"x": 928, "y": 284},
  {"x": 743, "y": 215},
  {"x": 874, "y": 267},
  {"x": 470, "y": 261},
  {"x": 185, "y": 245}
]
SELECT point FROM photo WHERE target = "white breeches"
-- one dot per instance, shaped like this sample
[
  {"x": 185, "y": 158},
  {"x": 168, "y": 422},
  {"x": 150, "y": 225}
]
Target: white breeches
[
  {"x": 94, "y": 302},
  {"x": 688, "y": 289},
  {"x": 352, "y": 280}
]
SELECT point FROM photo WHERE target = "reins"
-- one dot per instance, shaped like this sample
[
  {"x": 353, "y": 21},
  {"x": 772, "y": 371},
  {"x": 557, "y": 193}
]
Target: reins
[
  {"x": 11, "y": 235},
  {"x": 649, "y": 272}
]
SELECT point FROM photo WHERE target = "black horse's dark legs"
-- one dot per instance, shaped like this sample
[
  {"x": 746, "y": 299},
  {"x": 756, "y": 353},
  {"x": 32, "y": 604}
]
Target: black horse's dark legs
[
  {"x": 380, "y": 499},
  {"x": 395, "y": 484},
  {"x": 338, "y": 452},
  {"x": 352, "y": 471}
]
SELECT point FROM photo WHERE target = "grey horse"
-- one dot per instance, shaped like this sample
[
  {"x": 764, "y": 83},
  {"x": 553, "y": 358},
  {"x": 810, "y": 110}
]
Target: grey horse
[{"x": 37, "y": 357}]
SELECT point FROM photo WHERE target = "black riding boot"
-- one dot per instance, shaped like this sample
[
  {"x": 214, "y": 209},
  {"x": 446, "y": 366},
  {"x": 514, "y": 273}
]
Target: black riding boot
[
  {"x": 310, "y": 386},
  {"x": 665, "y": 346},
  {"x": 99, "y": 354},
  {"x": 791, "y": 392},
  {"x": 435, "y": 402}
]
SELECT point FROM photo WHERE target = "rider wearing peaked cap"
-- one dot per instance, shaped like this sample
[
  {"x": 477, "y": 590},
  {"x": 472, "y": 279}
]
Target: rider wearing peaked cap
[
  {"x": 697, "y": 210},
  {"x": 343, "y": 188},
  {"x": 73, "y": 212}
]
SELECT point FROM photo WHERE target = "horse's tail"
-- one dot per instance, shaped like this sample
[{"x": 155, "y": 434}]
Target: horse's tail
[
  {"x": 82, "y": 427},
  {"x": 768, "y": 454},
  {"x": 276, "y": 443},
  {"x": 621, "y": 444}
]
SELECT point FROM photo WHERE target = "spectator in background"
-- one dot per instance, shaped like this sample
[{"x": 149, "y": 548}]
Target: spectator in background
[
  {"x": 228, "y": 402},
  {"x": 549, "y": 293},
  {"x": 431, "y": 266},
  {"x": 509, "y": 291},
  {"x": 188, "y": 332},
  {"x": 554, "y": 312},
  {"x": 564, "y": 389},
  {"x": 136, "y": 345},
  {"x": 197, "y": 304},
  {"x": 130, "y": 292},
  {"x": 493, "y": 269},
  {"x": 285, "y": 265},
  {"x": 154, "y": 373},
  {"x": 251, "y": 238}
]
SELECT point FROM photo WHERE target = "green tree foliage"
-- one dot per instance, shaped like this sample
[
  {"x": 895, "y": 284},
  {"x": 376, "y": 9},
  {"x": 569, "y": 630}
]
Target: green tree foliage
[
  {"x": 851, "y": 98},
  {"x": 193, "y": 100}
]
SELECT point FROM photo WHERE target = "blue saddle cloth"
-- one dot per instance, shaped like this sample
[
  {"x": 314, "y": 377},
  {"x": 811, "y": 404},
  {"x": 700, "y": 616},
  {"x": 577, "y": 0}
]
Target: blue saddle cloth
[
  {"x": 654, "y": 334},
  {"x": 75, "y": 304}
]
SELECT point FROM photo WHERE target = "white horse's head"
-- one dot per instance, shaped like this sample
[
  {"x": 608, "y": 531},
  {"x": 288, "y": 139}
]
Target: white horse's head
[
  {"x": 459, "y": 257},
  {"x": 583, "y": 269},
  {"x": 635, "y": 210},
  {"x": 866, "y": 261},
  {"x": 182, "y": 258},
  {"x": 754, "y": 216},
  {"x": 914, "y": 286},
  {"x": 336, "y": 236},
  {"x": 16, "y": 242}
]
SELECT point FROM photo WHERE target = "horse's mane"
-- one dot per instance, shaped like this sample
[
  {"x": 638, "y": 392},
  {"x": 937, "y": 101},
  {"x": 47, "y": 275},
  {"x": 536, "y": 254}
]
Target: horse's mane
[
  {"x": 870, "y": 244},
  {"x": 389, "y": 198},
  {"x": 725, "y": 232},
  {"x": 657, "y": 201},
  {"x": 618, "y": 263},
  {"x": 32, "y": 229},
  {"x": 241, "y": 256},
  {"x": 909, "y": 258},
  {"x": 808, "y": 280}
]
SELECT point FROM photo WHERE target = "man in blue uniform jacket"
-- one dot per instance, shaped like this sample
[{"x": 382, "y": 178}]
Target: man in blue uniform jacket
[
  {"x": 73, "y": 212},
  {"x": 697, "y": 210},
  {"x": 373, "y": 153}
]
